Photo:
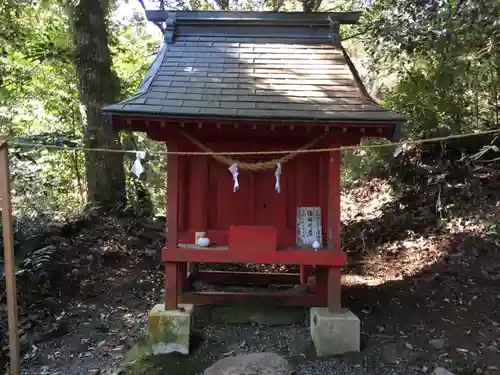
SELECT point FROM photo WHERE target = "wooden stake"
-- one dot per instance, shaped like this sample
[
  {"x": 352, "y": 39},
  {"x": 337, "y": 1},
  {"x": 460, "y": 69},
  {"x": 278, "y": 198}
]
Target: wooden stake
[{"x": 8, "y": 249}]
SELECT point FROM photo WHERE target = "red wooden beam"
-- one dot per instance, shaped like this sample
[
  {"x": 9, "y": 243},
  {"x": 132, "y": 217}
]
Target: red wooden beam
[
  {"x": 253, "y": 298},
  {"x": 160, "y": 128},
  {"x": 165, "y": 121},
  {"x": 239, "y": 278},
  {"x": 296, "y": 256}
]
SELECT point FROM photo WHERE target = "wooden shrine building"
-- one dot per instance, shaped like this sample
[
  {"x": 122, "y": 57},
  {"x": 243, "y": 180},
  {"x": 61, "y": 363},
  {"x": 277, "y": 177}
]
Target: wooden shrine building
[{"x": 253, "y": 82}]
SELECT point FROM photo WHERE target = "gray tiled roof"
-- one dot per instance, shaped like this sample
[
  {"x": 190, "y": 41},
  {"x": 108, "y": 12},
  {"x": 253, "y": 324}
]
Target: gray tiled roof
[{"x": 266, "y": 77}]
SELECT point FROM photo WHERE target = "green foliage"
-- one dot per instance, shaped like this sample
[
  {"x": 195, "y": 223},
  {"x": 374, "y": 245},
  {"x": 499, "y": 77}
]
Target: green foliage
[
  {"x": 363, "y": 163},
  {"x": 435, "y": 61},
  {"x": 444, "y": 58},
  {"x": 134, "y": 48},
  {"x": 152, "y": 182},
  {"x": 494, "y": 229},
  {"x": 39, "y": 102}
]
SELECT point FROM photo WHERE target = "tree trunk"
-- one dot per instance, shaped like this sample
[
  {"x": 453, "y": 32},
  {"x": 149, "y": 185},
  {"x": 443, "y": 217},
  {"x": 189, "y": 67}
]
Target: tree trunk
[
  {"x": 311, "y": 5},
  {"x": 222, "y": 4},
  {"x": 98, "y": 86}
]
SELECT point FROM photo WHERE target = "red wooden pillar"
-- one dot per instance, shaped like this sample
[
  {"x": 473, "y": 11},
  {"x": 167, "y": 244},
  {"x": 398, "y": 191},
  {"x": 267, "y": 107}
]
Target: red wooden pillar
[
  {"x": 334, "y": 243},
  {"x": 200, "y": 200},
  {"x": 328, "y": 279},
  {"x": 251, "y": 199},
  {"x": 305, "y": 271},
  {"x": 173, "y": 275},
  {"x": 182, "y": 190}
]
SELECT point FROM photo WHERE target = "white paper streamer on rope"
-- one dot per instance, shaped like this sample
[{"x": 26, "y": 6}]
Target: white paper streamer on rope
[
  {"x": 137, "y": 167},
  {"x": 277, "y": 186},
  {"x": 235, "y": 171}
]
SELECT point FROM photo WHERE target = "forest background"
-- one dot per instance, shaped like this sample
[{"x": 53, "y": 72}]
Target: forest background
[{"x": 435, "y": 61}]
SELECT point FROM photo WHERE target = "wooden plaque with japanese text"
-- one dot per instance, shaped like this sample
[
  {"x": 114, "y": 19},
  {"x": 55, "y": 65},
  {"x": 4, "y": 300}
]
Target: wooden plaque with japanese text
[{"x": 308, "y": 226}]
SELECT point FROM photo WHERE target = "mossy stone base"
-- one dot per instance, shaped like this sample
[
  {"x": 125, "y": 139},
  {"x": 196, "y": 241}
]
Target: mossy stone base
[{"x": 170, "y": 330}]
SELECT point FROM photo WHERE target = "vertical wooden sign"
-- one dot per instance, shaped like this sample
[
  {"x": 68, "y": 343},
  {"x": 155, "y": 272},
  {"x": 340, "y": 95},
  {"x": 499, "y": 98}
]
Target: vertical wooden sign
[
  {"x": 308, "y": 226},
  {"x": 8, "y": 250}
]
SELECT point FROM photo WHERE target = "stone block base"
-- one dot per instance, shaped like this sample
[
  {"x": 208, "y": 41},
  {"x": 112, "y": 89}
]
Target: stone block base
[
  {"x": 334, "y": 333},
  {"x": 170, "y": 330}
]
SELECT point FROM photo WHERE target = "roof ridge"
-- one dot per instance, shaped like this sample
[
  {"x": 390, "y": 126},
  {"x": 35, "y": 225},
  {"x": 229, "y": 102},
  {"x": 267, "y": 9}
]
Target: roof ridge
[
  {"x": 296, "y": 25},
  {"x": 254, "y": 17}
]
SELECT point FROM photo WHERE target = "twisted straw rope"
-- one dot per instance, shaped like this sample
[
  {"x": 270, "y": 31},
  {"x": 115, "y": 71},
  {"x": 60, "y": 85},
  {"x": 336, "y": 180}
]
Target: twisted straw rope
[{"x": 257, "y": 166}]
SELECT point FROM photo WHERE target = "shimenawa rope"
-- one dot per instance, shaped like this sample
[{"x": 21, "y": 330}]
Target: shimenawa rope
[
  {"x": 257, "y": 166},
  {"x": 13, "y": 141}
]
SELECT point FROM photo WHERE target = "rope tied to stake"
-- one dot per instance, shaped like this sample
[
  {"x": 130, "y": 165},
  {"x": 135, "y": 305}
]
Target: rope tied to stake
[{"x": 257, "y": 166}]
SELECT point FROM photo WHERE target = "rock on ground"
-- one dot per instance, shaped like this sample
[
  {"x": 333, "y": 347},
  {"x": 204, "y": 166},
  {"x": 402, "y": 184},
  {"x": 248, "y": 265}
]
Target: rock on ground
[
  {"x": 438, "y": 344},
  {"x": 251, "y": 364},
  {"x": 442, "y": 371}
]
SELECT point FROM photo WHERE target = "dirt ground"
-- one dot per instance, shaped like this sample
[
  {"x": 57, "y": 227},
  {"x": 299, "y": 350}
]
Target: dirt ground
[{"x": 423, "y": 276}]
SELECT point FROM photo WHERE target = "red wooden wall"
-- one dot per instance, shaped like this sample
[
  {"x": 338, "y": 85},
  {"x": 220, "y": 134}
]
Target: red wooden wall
[{"x": 207, "y": 201}]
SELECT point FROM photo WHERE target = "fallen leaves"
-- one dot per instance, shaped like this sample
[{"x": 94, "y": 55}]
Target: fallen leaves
[{"x": 427, "y": 278}]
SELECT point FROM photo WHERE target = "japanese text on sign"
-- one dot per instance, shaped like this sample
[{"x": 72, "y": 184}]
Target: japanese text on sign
[{"x": 308, "y": 225}]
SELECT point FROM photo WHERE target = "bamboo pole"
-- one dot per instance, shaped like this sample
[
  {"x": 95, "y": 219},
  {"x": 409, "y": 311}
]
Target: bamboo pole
[{"x": 8, "y": 249}]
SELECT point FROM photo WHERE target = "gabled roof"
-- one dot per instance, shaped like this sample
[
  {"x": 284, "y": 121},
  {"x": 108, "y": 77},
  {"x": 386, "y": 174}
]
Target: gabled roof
[{"x": 251, "y": 65}]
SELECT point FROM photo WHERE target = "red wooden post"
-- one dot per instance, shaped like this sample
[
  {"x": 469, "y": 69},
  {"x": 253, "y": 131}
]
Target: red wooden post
[
  {"x": 200, "y": 199},
  {"x": 334, "y": 301},
  {"x": 328, "y": 279},
  {"x": 172, "y": 269},
  {"x": 305, "y": 271},
  {"x": 181, "y": 219},
  {"x": 251, "y": 199},
  {"x": 334, "y": 201},
  {"x": 334, "y": 243},
  {"x": 171, "y": 285},
  {"x": 323, "y": 193},
  {"x": 183, "y": 196}
]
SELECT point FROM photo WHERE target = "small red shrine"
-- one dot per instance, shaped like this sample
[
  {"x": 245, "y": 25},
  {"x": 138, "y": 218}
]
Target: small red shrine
[{"x": 253, "y": 82}]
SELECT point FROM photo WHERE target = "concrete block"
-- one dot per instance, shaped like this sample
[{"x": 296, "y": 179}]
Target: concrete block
[
  {"x": 170, "y": 330},
  {"x": 334, "y": 334}
]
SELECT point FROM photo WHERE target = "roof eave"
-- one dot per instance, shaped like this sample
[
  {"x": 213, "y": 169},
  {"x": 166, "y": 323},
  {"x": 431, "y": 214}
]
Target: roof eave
[{"x": 395, "y": 122}]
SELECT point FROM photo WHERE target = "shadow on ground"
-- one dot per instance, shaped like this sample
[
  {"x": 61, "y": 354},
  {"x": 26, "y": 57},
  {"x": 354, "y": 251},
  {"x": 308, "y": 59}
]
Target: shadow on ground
[{"x": 445, "y": 315}]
